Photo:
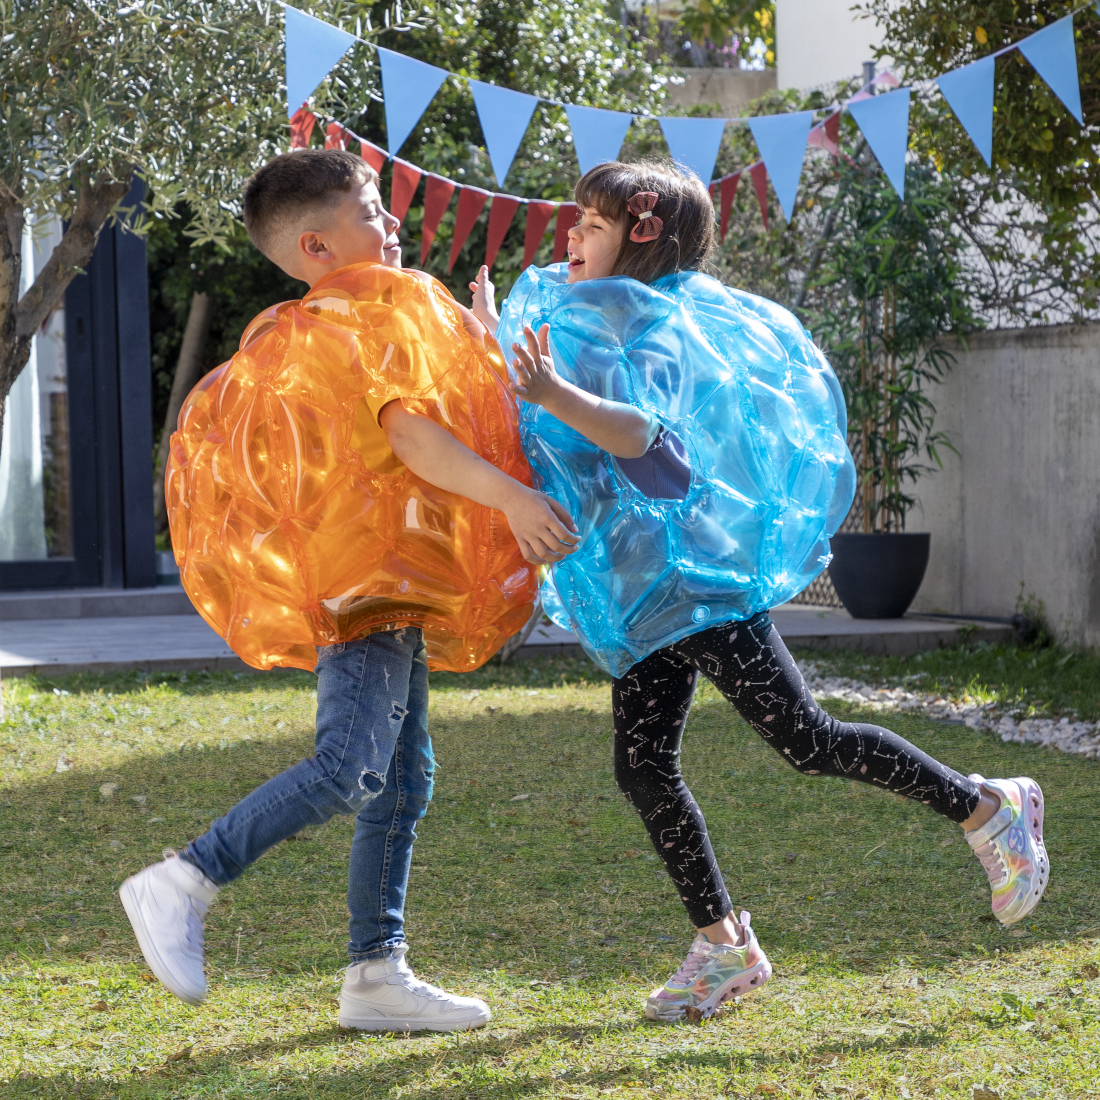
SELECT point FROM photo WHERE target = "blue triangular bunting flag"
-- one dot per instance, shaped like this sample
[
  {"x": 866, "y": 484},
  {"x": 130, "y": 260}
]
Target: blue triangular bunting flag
[
  {"x": 694, "y": 142},
  {"x": 969, "y": 90},
  {"x": 312, "y": 49},
  {"x": 884, "y": 120},
  {"x": 408, "y": 86},
  {"x": 1053, "y": 55},
  {"x": 781, "y": 140},
  {"x": 598, "y": 134},
  {"x": 504, "y": 116}
]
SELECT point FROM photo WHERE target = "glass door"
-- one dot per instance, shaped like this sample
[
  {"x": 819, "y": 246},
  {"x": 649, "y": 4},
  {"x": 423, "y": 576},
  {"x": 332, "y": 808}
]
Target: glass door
[
  {"x": 36, "y": 514},
  {"x": 76, "y": 452}
]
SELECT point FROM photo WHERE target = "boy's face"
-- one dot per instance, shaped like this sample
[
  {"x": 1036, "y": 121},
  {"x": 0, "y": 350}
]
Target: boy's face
[
  {"x": 593, "y": 246},
  {"x": 357, "y": 229}
]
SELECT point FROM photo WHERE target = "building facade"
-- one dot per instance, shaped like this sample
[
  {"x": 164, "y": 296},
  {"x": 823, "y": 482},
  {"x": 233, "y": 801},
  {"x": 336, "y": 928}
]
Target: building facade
[{"x": 818, "y": 42}]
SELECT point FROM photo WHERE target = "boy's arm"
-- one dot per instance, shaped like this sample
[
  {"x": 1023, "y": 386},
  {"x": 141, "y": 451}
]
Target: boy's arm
[
  {"x": 616, "y": 427},
  {"x": 542, "y": 527}
]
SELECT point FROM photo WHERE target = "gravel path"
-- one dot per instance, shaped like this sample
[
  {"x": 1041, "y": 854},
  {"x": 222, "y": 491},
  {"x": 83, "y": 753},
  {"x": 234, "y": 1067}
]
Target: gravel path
[{"x": 1064, "y": 734}]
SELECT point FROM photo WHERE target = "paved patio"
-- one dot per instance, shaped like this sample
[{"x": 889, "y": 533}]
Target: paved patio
[{"x": 148, "y": 629}]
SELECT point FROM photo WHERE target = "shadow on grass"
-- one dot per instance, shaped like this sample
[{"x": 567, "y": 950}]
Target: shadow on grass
[
  {"x": 541, "y": 672},
  {"x": 559, "y": 887},
  {"x": 469, "y": 1065},
  {"x": 840, "y": 877}
]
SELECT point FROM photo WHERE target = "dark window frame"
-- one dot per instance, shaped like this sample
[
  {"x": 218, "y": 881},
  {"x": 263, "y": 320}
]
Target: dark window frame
[{"x": 110, "y": 425}]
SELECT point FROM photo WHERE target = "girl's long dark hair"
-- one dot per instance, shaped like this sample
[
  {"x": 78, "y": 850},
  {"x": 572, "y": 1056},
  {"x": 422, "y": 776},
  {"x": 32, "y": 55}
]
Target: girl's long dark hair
[{"x": 683, "y": 205}]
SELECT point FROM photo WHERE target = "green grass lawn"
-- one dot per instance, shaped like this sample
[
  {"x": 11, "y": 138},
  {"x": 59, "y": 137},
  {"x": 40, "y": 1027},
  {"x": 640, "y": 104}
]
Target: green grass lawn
[{"x": 891, "y": 977}]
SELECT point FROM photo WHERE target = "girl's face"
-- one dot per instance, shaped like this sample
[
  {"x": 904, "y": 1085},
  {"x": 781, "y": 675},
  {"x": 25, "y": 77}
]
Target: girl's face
[{"x": 593, "y": 245}]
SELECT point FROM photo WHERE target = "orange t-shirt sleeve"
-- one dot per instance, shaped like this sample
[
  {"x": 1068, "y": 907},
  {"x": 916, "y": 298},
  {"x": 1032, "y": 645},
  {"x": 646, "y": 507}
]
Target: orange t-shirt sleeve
[{"x": 376, "y": 402}]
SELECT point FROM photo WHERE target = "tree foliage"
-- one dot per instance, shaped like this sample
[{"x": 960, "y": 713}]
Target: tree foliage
[
  {"x": 715, "y": 25},
  {"x": 1032, "y": 222},
  {"x": 571, "y": 51},
  {"x": 183, "y": 93}
]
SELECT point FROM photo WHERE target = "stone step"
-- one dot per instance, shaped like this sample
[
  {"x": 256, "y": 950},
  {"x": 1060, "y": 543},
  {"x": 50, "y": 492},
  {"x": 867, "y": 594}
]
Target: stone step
[
  {"x": 808, "y": 627},
  {"x": 93, "y": 603},
  {"x": 174, "y": 641}
]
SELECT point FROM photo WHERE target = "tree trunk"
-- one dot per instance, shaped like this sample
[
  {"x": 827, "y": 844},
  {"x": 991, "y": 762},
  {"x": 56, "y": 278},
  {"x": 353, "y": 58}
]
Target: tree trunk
[
  {"x": 188, "y": 372},
  {"x": 20, "y": 318},
  {"x": 14, "y": 352}
]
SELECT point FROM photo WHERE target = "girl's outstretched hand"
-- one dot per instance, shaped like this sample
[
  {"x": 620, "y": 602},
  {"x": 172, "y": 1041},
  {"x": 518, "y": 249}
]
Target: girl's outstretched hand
[
  {"x": 538, "y": 380},
  {"x": 618, "y": 428},
  {"x": 484, "y": 304}
]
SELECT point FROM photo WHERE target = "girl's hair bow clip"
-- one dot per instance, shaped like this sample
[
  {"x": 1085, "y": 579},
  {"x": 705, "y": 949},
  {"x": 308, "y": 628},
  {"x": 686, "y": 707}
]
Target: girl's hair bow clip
[{"x": 649, "y": 226}]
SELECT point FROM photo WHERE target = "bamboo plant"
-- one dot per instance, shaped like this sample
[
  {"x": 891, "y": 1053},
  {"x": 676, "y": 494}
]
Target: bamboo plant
[{"x": 888, "y": 291}]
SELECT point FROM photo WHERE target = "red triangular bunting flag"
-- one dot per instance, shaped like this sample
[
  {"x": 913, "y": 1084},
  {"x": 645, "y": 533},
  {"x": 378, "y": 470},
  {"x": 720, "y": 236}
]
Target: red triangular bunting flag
[
  {"x": 406, "y": 177},
  {"x": 729, "y": 189},
  {"x": 374, "y": 156},
  {"x": 711, "y": 188},
  {"x": 437, "y": 194},
  {"x": 336, "y": 137},
  {"x": 567, "y": 218},
  {"x": 825, "y": 134},
  {"x": 760, "y": 181},
  {"x": 470, "y": 202},
  {"x": 538, "y": 218},
  {"x": 501, "y": 214},
  {"x": 301, "y": 126}
]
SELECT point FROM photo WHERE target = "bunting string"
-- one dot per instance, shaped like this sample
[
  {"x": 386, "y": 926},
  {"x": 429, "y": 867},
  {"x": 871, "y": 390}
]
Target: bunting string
[
  {"x": 314, "y": 47},
  {"x": 438, "y": 189}
]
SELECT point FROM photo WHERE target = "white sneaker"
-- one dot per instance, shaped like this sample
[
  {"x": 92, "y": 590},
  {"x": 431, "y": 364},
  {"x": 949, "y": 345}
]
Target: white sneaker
[
  {"x": 166, "y": 904},
  {"x": 385, "y": 995}
]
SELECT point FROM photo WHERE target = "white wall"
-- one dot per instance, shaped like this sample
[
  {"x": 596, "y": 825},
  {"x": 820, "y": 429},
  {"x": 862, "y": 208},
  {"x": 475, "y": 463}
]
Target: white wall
[
  {"x": 731, "y": 89},
  {"x": 820, "y": 41},
  {"x": 1021, "y": 502}
]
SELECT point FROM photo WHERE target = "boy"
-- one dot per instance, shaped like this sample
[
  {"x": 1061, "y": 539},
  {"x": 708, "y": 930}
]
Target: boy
[{"x": 318, "y": 214}]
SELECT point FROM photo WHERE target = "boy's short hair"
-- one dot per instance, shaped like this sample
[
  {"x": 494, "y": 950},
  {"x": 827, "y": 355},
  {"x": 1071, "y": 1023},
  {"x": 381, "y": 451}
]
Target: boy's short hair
[
  {"x": 683, "y": 204},
  {"x": 289, "y": 188}
]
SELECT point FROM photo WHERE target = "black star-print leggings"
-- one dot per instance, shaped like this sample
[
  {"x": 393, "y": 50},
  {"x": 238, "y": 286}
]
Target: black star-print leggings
[{"x": 749, "y": 664}]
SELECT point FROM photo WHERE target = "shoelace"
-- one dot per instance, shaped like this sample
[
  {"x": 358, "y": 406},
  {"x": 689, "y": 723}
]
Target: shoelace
[
  {"x": 989, "y": 856},
  {"x": 194, "y": 932},
  {"x": 423, "y": 989},
  {"x": 689, "y": 968},
  {"x": 195, "y": 914}
]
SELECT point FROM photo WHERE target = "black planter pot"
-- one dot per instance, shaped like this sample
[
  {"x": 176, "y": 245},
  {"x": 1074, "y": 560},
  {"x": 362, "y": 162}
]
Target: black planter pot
[{"x": 877, "y": 576}]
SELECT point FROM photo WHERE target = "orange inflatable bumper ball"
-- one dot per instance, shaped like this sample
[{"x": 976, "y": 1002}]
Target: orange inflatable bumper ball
[{"x": 293, "y": 523}]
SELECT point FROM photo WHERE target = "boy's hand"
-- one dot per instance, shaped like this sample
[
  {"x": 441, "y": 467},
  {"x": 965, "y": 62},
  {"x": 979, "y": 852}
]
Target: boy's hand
[
  {"x": 484, "y": 302},
  {"x": 541, "y": 526},
  {"x": 538, "y": 381}
]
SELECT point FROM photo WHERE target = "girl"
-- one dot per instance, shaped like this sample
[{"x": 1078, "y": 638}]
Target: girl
[{"x": 701, "y": 436}]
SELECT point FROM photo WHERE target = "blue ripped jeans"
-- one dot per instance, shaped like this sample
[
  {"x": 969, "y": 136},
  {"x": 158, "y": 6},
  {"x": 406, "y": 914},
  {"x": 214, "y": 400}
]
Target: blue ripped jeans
[{"x": 373, "y": 758}]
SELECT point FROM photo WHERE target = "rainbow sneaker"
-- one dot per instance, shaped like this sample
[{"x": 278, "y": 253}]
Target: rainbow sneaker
[
  {"x": 711, "y": 974},
  {"x": 1010, "y": 847}
]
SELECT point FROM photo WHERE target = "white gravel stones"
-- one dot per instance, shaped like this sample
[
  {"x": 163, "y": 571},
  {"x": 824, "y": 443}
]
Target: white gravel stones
[{"x": 1064, "y": 734}]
